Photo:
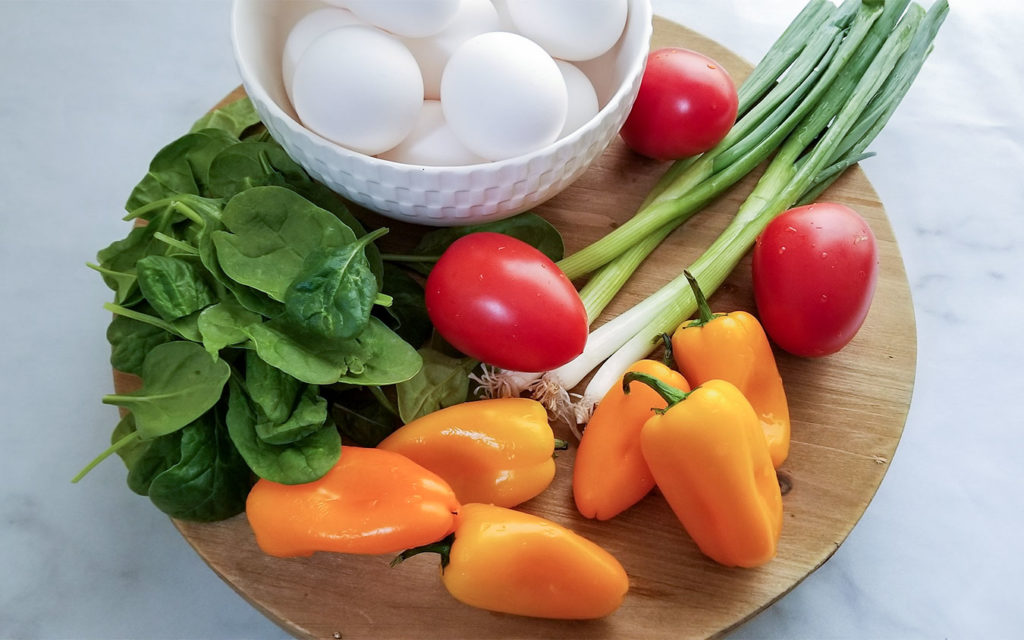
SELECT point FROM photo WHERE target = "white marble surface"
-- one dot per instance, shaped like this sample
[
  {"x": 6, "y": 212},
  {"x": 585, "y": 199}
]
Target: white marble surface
[{"x": 90, "y": 89}]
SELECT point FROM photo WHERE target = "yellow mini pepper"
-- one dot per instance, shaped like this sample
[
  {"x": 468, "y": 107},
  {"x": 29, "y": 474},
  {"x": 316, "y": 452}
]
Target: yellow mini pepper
[
  {"x": 711, "y": 462},
  {"x": 497, "y": 451},
  {"x": 734, "y": 347},
  {"x": 609, "y": 473},
  {"x": 513, "y": 562}
]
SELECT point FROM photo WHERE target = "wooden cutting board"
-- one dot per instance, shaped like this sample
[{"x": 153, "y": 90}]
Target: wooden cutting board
[{"x": 848, "y": 412}]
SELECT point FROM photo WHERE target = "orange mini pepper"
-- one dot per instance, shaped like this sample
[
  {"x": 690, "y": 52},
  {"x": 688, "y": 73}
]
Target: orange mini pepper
[
  {"x": 371, "y": 502},
  {"x": 734, "y": 347},
  {"x": 497, "y": 451},
  {"x": 609, "y": 474},
  {"x": 711, "y": 462},
  {"x": 509, "y": 561}
]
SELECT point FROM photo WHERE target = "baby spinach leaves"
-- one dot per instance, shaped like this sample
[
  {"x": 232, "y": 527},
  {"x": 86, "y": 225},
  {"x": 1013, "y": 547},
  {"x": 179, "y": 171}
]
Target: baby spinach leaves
[
  {"x": 334, "y": 292},
  {"x": 243, "y": 286},
  {"x": 174, "y": 287},
  {"x": 269, "y": 232},
  {"x": 180, "y": 382},
  {"x": 303, "y": 460}
]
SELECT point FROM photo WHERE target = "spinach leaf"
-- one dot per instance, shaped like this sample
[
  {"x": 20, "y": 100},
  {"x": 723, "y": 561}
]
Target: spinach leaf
[
  {"x": 180, "y": 382},
  {"x": 239, "y": 118},
  {"x": 223, "y": 324},
  {"x": 254, "y": 301},
  {"x": 528, "y": 227},
  {"x": 186, "y": 328},
  {"x": 335, "y": 291},
  {"x": 377, "y": 356},
  {"x": 361, "y": 418},
  {"x": 135, "y": 449},
  {"x": 253, "y": 164},
  {"x": 286, "y": 409},
  {"x": 407, "y": 313},
  {"x": 274, "y": 392},
  {"x": 193, "y": 474},
  {"x": 180, "y": 167},
  {"x": 150, "y": 458},
  {"x": 130, "y": 341},
  {"x": 308, "y": 416},
  {"x": 441, "y": 382},
  {"x": 299, "y": 462},
  {"x": 118, "y": 260},
  {"x": 271, "y": 230},
  {"x": 174, "y": 287}
]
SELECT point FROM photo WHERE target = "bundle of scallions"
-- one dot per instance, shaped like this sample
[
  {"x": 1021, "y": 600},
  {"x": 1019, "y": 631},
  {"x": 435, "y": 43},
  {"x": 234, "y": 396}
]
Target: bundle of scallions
[{"x": 810, "y": 107}]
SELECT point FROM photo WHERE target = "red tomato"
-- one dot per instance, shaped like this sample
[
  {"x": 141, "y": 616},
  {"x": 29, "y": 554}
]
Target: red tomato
[
  {"x": 503, "y": 302},
  {"x": 814, "y": 270},
  {"x": 687, "y": 103}
]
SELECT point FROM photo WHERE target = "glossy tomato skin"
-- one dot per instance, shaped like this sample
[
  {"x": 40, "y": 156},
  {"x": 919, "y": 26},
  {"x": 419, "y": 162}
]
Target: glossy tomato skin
[
  {"x": 503, "y": 302},
  {"x": 814, "y": 269},
  {"x": 686, "y": 104}
]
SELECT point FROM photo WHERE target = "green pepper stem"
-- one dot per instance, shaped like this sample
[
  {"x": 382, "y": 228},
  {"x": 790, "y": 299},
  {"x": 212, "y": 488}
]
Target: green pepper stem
[
  {"x": 704, "y": 314},
  {"x": 672, "y": 395},
  {"x": 442, "y": 547},
  {"x": 669, "y": 357}
]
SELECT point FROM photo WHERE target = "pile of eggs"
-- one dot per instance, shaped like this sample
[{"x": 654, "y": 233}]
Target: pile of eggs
[{"x": 447, "y": 82}]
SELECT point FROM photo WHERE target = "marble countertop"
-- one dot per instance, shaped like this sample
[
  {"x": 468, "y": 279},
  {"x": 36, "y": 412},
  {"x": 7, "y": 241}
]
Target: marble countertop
[{"x": 90, "y": 89}]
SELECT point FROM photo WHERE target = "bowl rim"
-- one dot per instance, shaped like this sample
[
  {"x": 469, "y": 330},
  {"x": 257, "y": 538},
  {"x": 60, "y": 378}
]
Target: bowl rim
[{"x": 631, "y": 75}]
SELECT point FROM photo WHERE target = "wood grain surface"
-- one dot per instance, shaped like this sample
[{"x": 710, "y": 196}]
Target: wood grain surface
[{"x": 848, "y": 412}]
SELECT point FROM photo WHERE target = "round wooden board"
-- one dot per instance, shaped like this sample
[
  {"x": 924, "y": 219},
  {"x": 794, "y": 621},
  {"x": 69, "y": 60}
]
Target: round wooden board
[{"x": 848, "y": 412}]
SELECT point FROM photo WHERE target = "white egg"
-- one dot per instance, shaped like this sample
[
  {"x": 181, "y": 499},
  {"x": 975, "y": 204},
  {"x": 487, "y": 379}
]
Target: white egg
[
  {"x": 570, "y": 29},
  {"x": 432, "y": 142},
  {"x": 310, "y": 27},
  {"x": 582, "y": 98},
  {"x": 409, "y": 18},
  {"x": 473, "y": 18},
  {"x": 503, "y": 96},
  {"x": 358, "y": 87}
]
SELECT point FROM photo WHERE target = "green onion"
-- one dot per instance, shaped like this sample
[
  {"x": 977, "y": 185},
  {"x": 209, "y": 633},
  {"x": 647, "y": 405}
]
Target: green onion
[{"x": 844, "y": 122}]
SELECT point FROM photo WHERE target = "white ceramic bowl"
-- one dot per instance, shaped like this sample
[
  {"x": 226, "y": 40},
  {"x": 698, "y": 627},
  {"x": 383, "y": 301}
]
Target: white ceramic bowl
[{"x": 437, "y": 196}]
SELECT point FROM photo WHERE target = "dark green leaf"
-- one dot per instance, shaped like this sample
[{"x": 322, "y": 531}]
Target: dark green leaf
[
  {"x": 253, "y": 164},
  {"x": 180, "y": 167},
  {"x": 296, "y": 463},
  {"x": 180, "y": 382},
  {"x": 308, "y": 415},
  {"x": 270, "y": 231},
  {"x": 377, "y": 356},
  {"x": 442, "y": 381},
  {"x": 132, "y": 452},
  {"x": 208, "y": 480},
  {"x": 528, "y": 227},
  {"x": 407, "y": 314},
  {"x": 239, "y": 118},
  {"x": 151, "y": 458},
  {"x": 130, "y": 341},
  {"x": 223, "y": 324},
  {"x": 274, "y": 392},
  {"x": 361, "y": 418},
  {"x": 334, "y": 293},
  {"x": 174, "y": 287}
]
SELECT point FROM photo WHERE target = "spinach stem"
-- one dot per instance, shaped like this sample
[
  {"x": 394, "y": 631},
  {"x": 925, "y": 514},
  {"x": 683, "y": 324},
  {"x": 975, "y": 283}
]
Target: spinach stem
[{"x": 112, "y": 449}]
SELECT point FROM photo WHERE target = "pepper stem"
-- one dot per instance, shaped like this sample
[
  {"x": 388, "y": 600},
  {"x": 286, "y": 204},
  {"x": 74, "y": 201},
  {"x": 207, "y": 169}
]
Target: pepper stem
[
  {"x": 704, "y": 314},
  {"x": 672, "y": 395},
  {"x": 669, "y": 357},
  {"x": 442, "y": 547}
]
